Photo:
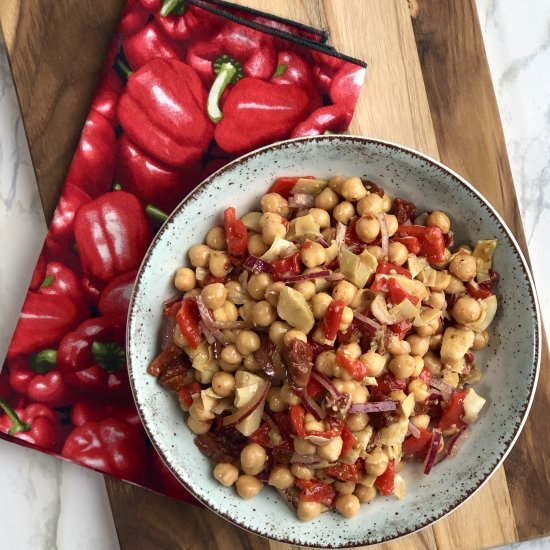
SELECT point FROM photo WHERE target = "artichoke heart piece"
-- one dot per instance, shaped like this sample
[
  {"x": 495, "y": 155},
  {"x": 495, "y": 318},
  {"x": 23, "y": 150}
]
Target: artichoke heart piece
[
  {"x": 358, "y": 268},
  {"x": 293, "y": 308},
  {"x": 456, "y": 343},
  {"x": 302, "y": 227},
  {"x": 277, "y": 248},
  {"x": 252, "y": 221},
  {"x": 309, "y": 186},
  {"x": 483, "y": 253}
]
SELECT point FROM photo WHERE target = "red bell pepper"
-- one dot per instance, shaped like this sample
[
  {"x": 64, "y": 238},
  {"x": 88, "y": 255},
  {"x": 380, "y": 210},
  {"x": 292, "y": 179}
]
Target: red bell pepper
[
  {"x": 162, "y": 111},
  {"x": 453, "y": 413},
  {"x": 316, "y": 491},
  {"x": 379, "y": 285},
  {"x": 332, "y": 119},
  {"x": 431, "y": 240},
  {"x": 152, "y": 5},
  {"x": 386, "y": 482},
  {"x": 112, "y": 235},
  {"x": 315, "y": 388},
  {"x": 6, "y": 391},
  {"x": 348, "y": 440},
  {"x": 398, "y": 293},
  {"x": 43, "y": 321},
  {"x": 257, "y": 112},
  {"x": 114, "y": 299},
  {"x": 403, "y": 210},
  {"x": 150, "y": 43},
  {"x": 332, "y": 319},
  {"x": 417, "y": 447},
  {"x": 181, "y": 21},
  {"x": 346, "y": 472},
  {"x": 37, "y": 378},
  {"x": 152, "y": 181},
  {"x": 401, "y": 329},
  {"x": 290, "y": 264},
  {"x": 187, "y": 392},
  {"x": 86, "y": 410},
  {"x": 412, "y": 244},
  {"x": 387, "y": 268},
  {"x": 107, "y": 94},
  {"x": 357, "y": 369},
  {"x": 188, "y": 319},
  {"x": 61, "y": 232},
  {"x": 346, "y": 85},
  {"x": 134, "y": 17},
  {"x": 236, "y": 235},
  {"x": 297, "y": 415},
  {"x": 324, "y": 69},
  {"x": 111, "y": 446},
  {"x": 284, "y": 186},
  {"x": 36, "y": 424},
  {"x": 93, "y": 164}
]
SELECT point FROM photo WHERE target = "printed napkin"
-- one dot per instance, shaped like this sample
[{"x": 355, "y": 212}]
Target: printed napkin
[{"x": 187, "y": 87}]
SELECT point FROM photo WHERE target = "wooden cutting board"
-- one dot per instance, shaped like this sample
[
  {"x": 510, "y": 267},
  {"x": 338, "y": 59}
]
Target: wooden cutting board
[{"x": 428, "y": 87}]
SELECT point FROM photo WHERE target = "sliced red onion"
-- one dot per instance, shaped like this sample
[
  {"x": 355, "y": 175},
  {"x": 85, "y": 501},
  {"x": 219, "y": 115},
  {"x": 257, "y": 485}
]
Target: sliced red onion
[
  {"x": 200, "y": 273},
  {"x": 366, "y": 322},
  {"x": 305, "y": 276},
  {"x": 385, "y": 237},
  {"x": 208, "y": 323},
  {"x": 443, "y": 387},
  {"x": 311, "y": 406},
  {"x": 322, "y": 242},
  {"x": 244, "y": 412},
  {"x": 457, "y": 441},
  {"x": 340, "y": 237},
  {"x": 301, "y": 200},
  {"x": 414, "y": 431},
  {"x": 230, "y": 325},
  {"x": 325, "y": 382},
  {"x": 432, "y": 451},
  {"x": 304, "y": 459},
  {"x": 210, "y": 338},
  {"x": 373, "y": 407},
  {"x": 253, "y": 263},
  {"x": 336, "y": 276}
]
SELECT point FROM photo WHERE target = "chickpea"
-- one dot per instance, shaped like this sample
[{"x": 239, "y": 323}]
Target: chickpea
[
  {"x": 375, "y": 362},
  {"x": 301, "y": 471},
  {"x": 198, "y": 427},
  {"x": 214, "y": 295},
  {"x": 421, "y": 420},
  {"x": 185, "y": 279},
  {"x": 357, "y": 421},
  {"x": 235, "y": 292},
  {"x": 325, "y": 362},
  {"x": 353, "y": 189},
  {"x": 402, "y": 366},
  {"x": 313, "y": 254},
  {"x": 418, "y": 365},
  {"x": 256, "y": 245},
  {"x": 253, "y": 458},
  {"x": 435, "y": 341},
  {"x": 387, "y": 202},
  {"x": 179, "y": 339},
  {"x": 345, "y": 291},
  {"x": 288, "y": 396},
  {"x": 269, "y": 217},
  {"x": 292, "y": 334},
  {"x": 281, "y": 477},
  {"x": 391, "y": 224},
  {"x": 429, "y": 329},
  {"x": 481, "y": 339},
  {"x": 437, "y": 300},
  {"x": 272, "y": 231},
  {"x": 348, "y": 505},
  {"x": 250, "y": 364},
  {"x": 257, "y": 285},
  {"x": 466, "y": 310},
  {"x": 219, "y": 314},
  {"x": 196, "y": 410},
  {"x": 376, "y": 462},
  {"x": 231, "y": 355},
  {"x": 276, "y": 403},
  {"x": 308, "y": 510},
  {"x": 420, "y": 389},
  {"x": 345, "y": 487},
  {"x": 226, "y": 473},
  {"x": 319, "y": 304},
  {"x": 219, "y": 263},
  {"x": 272, "y": 292},
  {"x": 367, "y": 228},
  {"x": 419, "y": 344},
  {"x": 376, "y": 251},
  {"x": 245, "y": 311},
  {"x": 277, "y": 331},
  {"x": 397, "y": 395},
  {"x": 365, "y": 494},
  {"x": 352, "y": 350},
  {"x": 223, "y": 383},
  {"x": 248, "y": 486},
  {"x": 304, "y": 447},
  {"x": 432, "y": 363},
  {"x": 331, "y": 451},
  {"x": 263, "y": 314},
  {"x": 371, "y": 205},
  {"x": 455, "y": 286},
  {"x": 306, "y": 289},
  {"x": 398, "y": 253},
  {"x": 343, "y": 212},
  {"x": 327, "y": 199},
  {"x": 463, "y": 266},
  {"x": 322, "y": 217},
  {"x": 399, "y": 347},
  {"x": 247, "y": 342},
  {"x": 192, "y": 293},
  {"x": 199, "y": 255},
  {"x": 215, "y": 238},
  {"x": 273, "y": 202},
  {"x": 347, "y": 318},
  {"x": 310, "y": 424},
  {"x": 442, "y": 281},
  {"x": 439, "y": 219},
  {"x": 335, "y": 183}
]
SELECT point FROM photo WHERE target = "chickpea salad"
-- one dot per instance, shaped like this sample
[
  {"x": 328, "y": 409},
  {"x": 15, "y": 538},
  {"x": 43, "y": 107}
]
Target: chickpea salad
[{"x": 320, "y": 343}]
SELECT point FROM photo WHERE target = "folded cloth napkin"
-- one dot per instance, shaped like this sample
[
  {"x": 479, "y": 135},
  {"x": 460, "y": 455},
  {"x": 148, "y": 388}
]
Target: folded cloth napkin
[{"x": 187, "y": 87}]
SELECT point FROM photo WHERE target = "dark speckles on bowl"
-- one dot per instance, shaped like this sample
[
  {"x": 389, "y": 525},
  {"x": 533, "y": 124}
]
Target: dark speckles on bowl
[{"x": 511, "y": 359}]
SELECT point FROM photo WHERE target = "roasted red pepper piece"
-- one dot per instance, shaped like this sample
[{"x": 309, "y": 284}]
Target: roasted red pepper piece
[
  {"x": 431, "y": 240},
  {"x": 386, "y": 482},
  {"x": 387, "y": 268},
  {"x": 186, "y": 393},
  {"x": 357, "y": 369},
  {"x": 379, "y": 285},
  {"x": 332, "y": 319},
  {"x": 404, "y": 210},
  {"x": 93, "y": 164},
  {"x": 290, "y": 264},
  {"x": 188, "y": 319},
  {"x": 106, "y": 97},
  {"x": 477, "y": 291},
  {"x": 398, "y": 294},
  {"x": 86, "y": 410},
  {"x": 346, "y": 472},
  {"x": 114, "y": 299},
  {"x": 133, "y": 18},
  {"x": 412, "y": 244},
  {"x": 284, "y": 186},
  {"x": 316, "y": 491},
  {"x": 112, "y": 235},
  {"x": 401, "y": 328},
  {"x": 332, "y": 119},
  {"x": 297, "y": 416},
  {"x": 417, "y": 447},
  {"x": 111, "y": 446},
  {"x": 453, "y": 413},
  {"x": 315, "y": 388},
  {"x": 61, "y": 231},
  {"x": 162, "y": 111},
  {"x": 348, "y": 440},
  {"x": 37, "y": 378},
  {"x": 236, "y": 235},
  {"x": 36, "y": 424},
  {"x": 152, "y": 181},
  {"x": 261, "y": 435},
  {"x": 346, "y": 85},
  {"x": 43, "y": 321}
]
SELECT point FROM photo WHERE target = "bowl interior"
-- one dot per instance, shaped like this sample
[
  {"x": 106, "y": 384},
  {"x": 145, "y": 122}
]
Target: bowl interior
[{"x": 508, "y": 365}]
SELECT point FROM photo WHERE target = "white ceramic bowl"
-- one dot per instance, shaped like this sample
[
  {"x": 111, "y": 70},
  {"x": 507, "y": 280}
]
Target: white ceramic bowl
[{"x": 509, "y": 365}]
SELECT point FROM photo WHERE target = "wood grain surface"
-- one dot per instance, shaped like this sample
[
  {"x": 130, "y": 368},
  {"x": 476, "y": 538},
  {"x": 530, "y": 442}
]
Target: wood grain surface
[{"x": 428, "y": 87}]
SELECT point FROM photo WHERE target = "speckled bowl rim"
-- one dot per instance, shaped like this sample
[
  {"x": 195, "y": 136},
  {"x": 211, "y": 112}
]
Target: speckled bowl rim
[{"x": 483, "y": 202}]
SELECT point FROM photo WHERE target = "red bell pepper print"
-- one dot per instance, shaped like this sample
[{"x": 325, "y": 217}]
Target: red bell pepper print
[
  {"x": 162, "y": 111},
  {"x": 333, "y": 119},
  {"x": 164, "y": 480},
  {"x": 43, "y": 321},
  {"x": 107, "y": 94},
  {"x": 134, "y": 17},
  {"x": 111, "y": 446},
  {"x": 181, "y": 21},
  {"x": 35, "y": 424},
  {"x": 39, "y": 273},
  {"x": 93, "y": 163},
  {"x": 346, "y": 85},
  {"x": 114, "y": 299},
  {"x": 112, "y": 235},
  {"x": 37, "y": 378},
  {"x": 88, "y": 409}
]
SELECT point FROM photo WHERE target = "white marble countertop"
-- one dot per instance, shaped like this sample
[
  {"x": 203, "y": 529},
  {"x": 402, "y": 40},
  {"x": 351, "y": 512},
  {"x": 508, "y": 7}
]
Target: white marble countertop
[{"x": 53, "y": 504}]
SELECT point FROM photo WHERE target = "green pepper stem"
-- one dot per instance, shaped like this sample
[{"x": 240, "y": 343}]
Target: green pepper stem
[
  {"x": 170, "y": 6},
  {"x": 17, "y": 425},
  {"x": 280, "y": 70},
  {"x": 109, "y": 356},
  {"x": 43, "y": 361},
  {"x": 123, "y": 66},
  {"x": 156, "y": 213},
  {"x": 48, "y": 281},
  {"x": 117, "y": 187},
  {"x": 228, "y": 71}
]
